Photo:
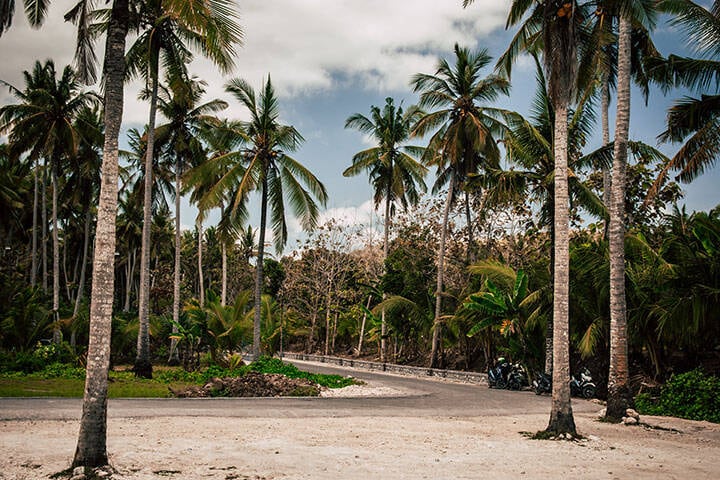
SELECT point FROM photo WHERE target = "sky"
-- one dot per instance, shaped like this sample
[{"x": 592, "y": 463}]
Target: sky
[{"x": 329, "y": 59}]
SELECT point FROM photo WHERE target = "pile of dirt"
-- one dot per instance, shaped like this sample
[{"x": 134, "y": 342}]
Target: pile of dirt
[{"x": 252, "y": 384}]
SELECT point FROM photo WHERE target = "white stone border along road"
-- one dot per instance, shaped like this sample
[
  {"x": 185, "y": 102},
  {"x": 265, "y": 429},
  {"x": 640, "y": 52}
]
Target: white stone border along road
[{"x": 470, "y": 377}]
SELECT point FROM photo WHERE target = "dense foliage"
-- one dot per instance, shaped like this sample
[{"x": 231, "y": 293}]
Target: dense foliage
[
  {"x": 480, "y": 246},
  {"x": 693, "y": 395}
]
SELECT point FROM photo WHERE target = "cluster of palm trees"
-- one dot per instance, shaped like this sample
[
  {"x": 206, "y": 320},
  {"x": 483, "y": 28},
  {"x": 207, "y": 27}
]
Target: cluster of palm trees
[
  {"x": 586, "y": 47},
  {"x": 582, "y": 50}
]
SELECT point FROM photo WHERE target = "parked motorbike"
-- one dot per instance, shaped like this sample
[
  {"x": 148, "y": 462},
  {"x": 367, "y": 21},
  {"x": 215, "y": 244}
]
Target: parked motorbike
[
  {"x": 583, "y": 385},
  {"x": 580, "y": 386},
  {"x": 507, "y": 375},
  {"x": 517, "y": 378},
  {"x": 498, "y": 374},
  {"x": 542, "y": 383}
]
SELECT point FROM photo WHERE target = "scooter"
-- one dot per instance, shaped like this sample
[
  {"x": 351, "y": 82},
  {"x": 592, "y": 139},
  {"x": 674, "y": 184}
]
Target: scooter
[
  {"x": 517, "y": 378},
  {"x": 498, "y": 374},
  {"x": 542, "y": 383},
  {"x": 583, "y": 386}
]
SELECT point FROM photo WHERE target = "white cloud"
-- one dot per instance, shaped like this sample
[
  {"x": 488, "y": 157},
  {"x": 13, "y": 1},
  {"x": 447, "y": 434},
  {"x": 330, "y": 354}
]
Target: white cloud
[{"x": 308, "y": 46}]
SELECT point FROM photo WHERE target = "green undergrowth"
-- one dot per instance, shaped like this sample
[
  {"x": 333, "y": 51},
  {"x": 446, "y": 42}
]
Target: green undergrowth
[
  {"x": 63, "y": 380},
  {"x": 692, "y": 395}
]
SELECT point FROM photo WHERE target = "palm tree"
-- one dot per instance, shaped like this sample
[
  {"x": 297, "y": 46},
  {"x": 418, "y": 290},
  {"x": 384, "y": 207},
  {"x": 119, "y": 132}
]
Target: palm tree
[
  {"x": 180, "y": 104},
  {"x": 273, "y": 173},
  {"x": 393, "y": 170},
  {"x": 464, "y": 141},
  {"x": 694, "y": 121},
  {"x": 552, "y": 24},
  {"x": 529, "y": 145},
  {"x": 91, "y": 448},
  {"x": 167, "y": 27},
  {"x": 599, "y": 57},
  {"x": 44, "y": 123}
]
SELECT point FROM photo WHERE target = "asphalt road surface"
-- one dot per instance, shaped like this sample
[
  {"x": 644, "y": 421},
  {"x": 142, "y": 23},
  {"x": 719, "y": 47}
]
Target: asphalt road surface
[{"x": 424, "y": 398}]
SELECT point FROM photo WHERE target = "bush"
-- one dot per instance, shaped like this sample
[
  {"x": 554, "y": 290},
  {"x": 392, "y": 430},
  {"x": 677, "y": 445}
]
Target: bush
[
  {"x": 60, "y": 370},
  {"x": 692, "y": 395},
  {"x": 36, "y": 360}
]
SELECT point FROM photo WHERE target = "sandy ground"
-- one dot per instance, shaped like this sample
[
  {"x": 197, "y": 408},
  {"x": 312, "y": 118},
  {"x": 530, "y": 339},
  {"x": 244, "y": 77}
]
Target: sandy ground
[{"x": 362, "y": 447}]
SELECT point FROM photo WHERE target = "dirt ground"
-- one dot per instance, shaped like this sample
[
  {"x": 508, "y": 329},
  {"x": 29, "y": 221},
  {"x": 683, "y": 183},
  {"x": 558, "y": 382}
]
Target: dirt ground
[{"x": 366, "y": 447}]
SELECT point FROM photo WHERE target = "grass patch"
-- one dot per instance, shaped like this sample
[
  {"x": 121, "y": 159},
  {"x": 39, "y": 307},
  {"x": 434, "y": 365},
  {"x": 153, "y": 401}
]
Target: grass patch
[{"x": 59, "y": 380}]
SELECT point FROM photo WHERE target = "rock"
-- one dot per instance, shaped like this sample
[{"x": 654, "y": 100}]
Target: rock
[
  {"x": 632, "y": 413},
  {"x": 629, "y": 420},
  {"x": 601, "y": 413},
  {"x": 78, "y": 471},
  {"x": 102, "y": 472}
]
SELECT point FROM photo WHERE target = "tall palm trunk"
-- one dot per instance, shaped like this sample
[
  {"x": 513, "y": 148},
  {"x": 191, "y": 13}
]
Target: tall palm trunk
[
  {"x": 549, "y": 327},
  {"x": 259, "y": 268},
  {"x": 386, "y": 249},
  {"x": 437, "y": 323},
  {"x": 44, "y": 228},
  {"x": 83, "y": 268},
  {"x": 561, "y": 416},
  {"x": 91, "y": 448},
  {"x": 223, "y": 252},
  {"x": 470, "y": 252},
  {"x": 201, "y": 278},
  {"x": 223, "y": 289},
  {"x": 129, "y": 277},
  {"x": 605, "y": 114},
  {"x": 174, "y": 359},
  {"x": 36, "y": 194},
  {"x": 143, "y": 366},
  {"x": 619, "y": 398},
  {"x": 57, "y": 334}
]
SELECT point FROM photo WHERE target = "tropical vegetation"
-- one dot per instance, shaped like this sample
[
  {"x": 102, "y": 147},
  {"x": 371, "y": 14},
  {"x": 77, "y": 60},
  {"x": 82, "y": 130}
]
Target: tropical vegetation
[{"x": 531, "y": 244}]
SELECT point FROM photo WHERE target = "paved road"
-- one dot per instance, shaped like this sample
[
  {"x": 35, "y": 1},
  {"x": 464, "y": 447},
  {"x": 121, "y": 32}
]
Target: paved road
[{"x": 427, "y": 397}]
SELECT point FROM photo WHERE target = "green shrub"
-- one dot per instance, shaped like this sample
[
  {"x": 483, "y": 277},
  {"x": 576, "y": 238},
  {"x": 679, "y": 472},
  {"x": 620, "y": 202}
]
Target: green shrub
[
  {"x": 60, "y": 370},
  {"x": 692, "y": 395},
  {"x": 38, "y": 359}
]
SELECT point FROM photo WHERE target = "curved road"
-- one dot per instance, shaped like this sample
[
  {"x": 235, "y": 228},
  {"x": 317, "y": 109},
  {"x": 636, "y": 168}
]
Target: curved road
[{"x": 428, "y": 398}]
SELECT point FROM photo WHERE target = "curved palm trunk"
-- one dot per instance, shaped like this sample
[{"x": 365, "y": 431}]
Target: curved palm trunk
[
  {"x": 36, "y": 195},
  {"x": 143, "y": 366},
  {"x": 619, "y": 398},
  {"x": 57, "y": 334},
  {"x": 91, "y": 448},
  {"x": 561, "y": 415},
  {"x": 437, "y": 323},
  {"x": 259, "y": 269},
  {"x": 174, "y": 359}
]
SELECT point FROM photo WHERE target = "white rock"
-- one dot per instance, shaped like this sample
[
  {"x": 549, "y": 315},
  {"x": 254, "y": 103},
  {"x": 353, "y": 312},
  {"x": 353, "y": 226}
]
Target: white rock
[
  {"x": 629, "y": 420},
  {"x": 632, "y": 413},
  {"x": 78, "y": 471},
  {"x": 601, "y": 413}
]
